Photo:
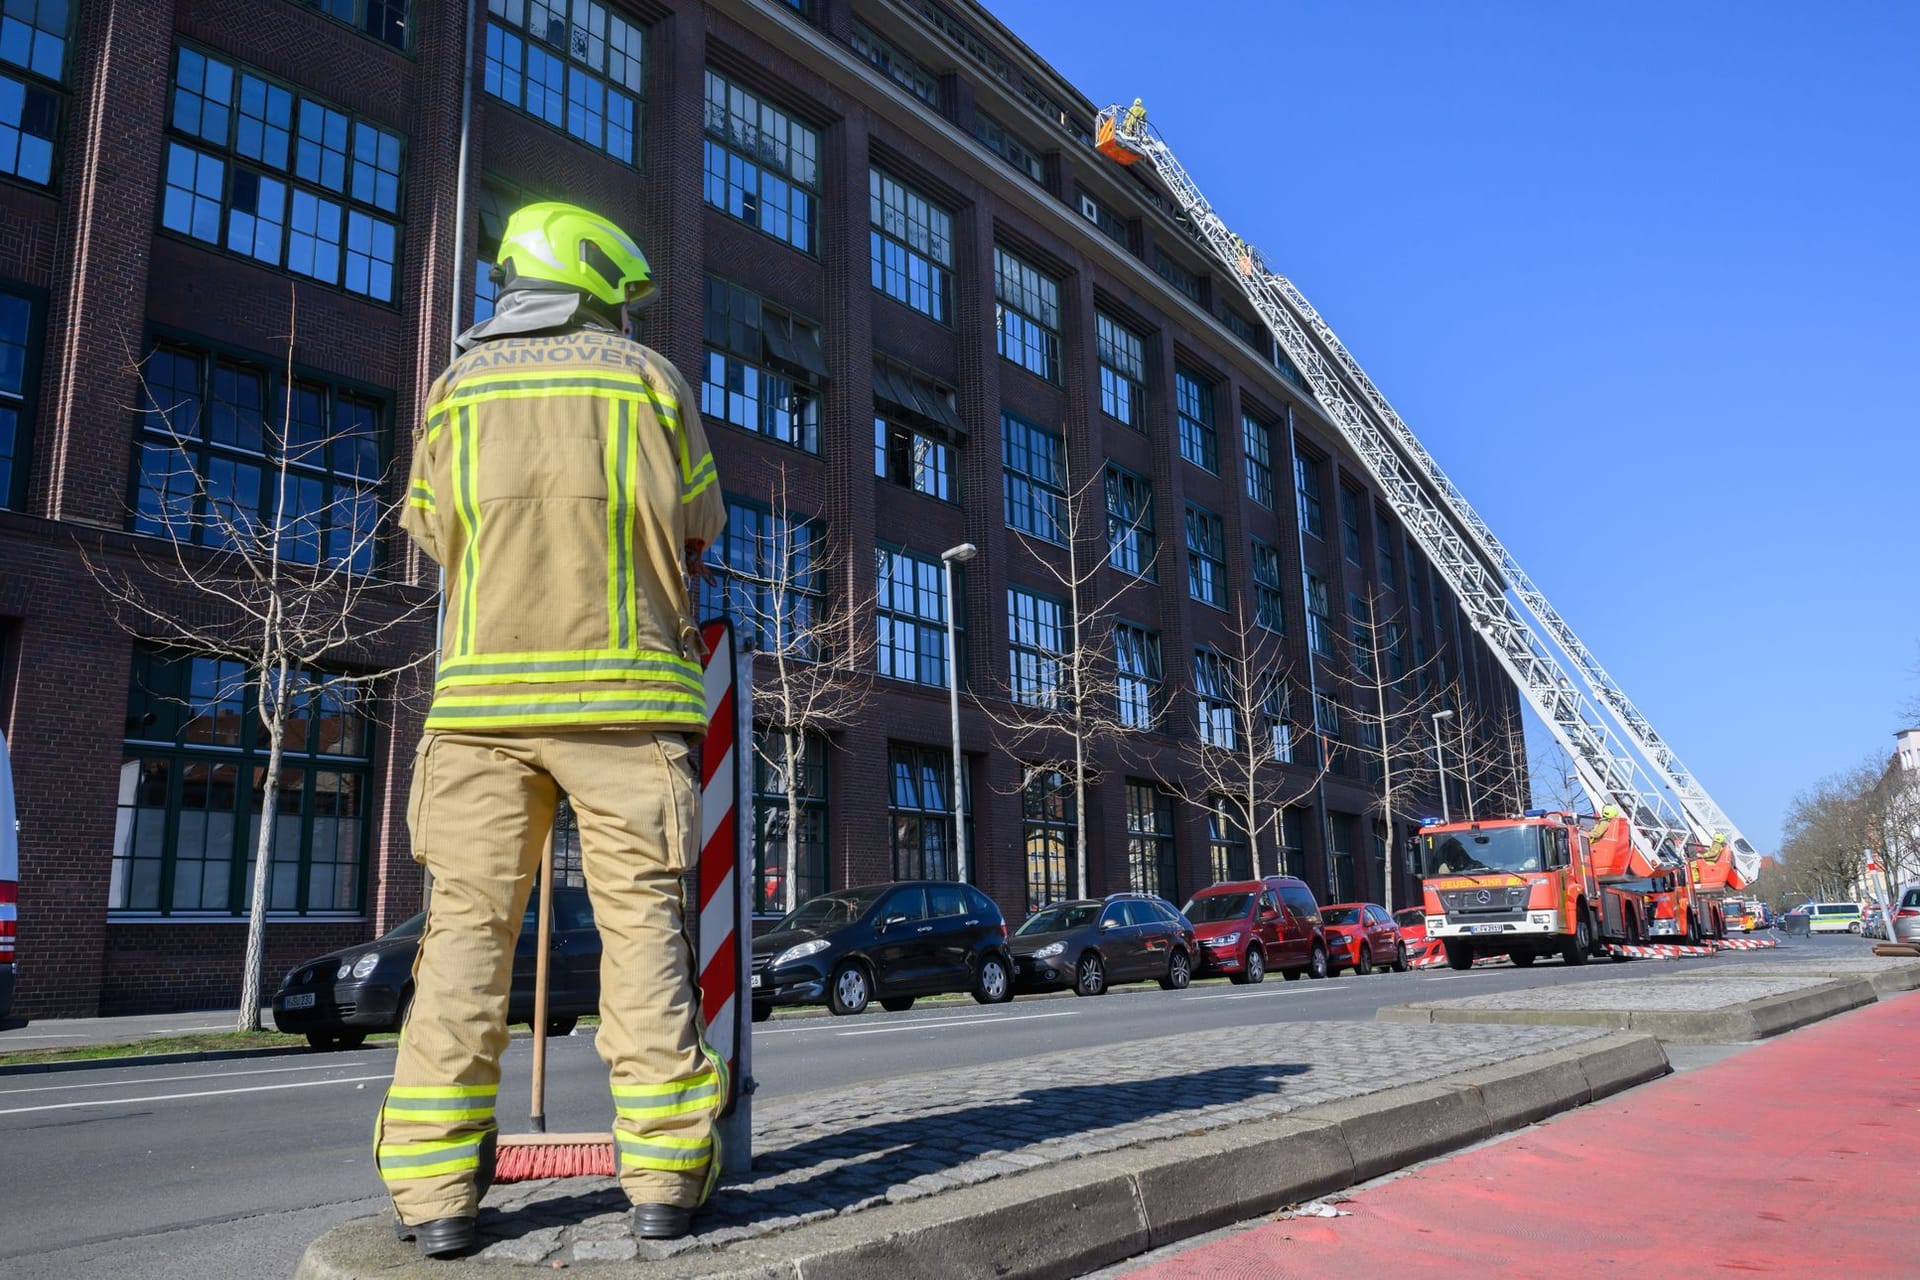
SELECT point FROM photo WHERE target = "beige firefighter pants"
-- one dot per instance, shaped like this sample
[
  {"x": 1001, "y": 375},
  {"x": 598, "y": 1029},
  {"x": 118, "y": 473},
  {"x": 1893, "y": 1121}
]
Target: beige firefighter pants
[{"x": 480, "y": 810}]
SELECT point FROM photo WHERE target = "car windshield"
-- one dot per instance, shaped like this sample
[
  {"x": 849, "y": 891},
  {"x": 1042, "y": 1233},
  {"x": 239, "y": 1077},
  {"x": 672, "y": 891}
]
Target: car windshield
[
  {"x": 412, "y": 927},
  {"x": 829, "y": 911},
  {"x": 1073, "y": 915},
  {"x": 1215, "y": 907},
  {"x": 1523, "y": 848},
  {"x": 1410, "y": 917},
  {"x": 1339, "y": 915}
]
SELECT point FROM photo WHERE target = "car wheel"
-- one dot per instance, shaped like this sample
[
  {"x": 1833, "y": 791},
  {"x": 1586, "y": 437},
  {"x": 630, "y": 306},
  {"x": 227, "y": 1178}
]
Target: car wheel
[
  {"x": 849, "y": 990},
  {"x": 897, "y": 1004},
  {"x": 1317, "y": 964},
  {"x": 1522, "y": 958},
  {"x": 1179, "y": 972},
  {"x": 762, "y": 1012},
  {"x": 1399, "y": 957},
  {"x": 1089, "y": 976},
  {"x": 994, "y": 985},
  {"x": 1256, "y": 965},
  {"x": 562, "y": 1026},
  {"x": 1364, "y": 965},
  {"x": 329, "y": 1041}
]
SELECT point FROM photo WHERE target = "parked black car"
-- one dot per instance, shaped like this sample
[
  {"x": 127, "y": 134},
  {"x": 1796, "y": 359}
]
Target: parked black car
[
  {"x": 1090, "y": 944},
  {"x": 338, "y": 999},
  {"x": 892, "y": 942}
]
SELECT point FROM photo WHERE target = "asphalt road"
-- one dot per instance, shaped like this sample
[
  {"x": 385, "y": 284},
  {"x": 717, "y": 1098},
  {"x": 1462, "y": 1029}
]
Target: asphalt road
[{"x": 228, "y": 1169}]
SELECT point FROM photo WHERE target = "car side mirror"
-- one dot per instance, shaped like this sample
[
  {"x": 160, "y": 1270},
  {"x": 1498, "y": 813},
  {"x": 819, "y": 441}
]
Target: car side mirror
[
  {"x": 1109, "y": 924},
  {"x": 1269, "y": 914}
]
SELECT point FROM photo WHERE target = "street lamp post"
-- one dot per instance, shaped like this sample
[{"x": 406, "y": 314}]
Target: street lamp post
[
  {"x": 1440, "y": 761},
  {"x": 948, "y": 558},
  {"x": 1466, "y": 770}
]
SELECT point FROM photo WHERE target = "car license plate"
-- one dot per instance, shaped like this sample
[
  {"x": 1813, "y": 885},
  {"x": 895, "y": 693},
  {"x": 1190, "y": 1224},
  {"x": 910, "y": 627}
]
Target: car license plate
[
  {"x": 303, "y": 1001},
  {"x": 756, "y": 982}
]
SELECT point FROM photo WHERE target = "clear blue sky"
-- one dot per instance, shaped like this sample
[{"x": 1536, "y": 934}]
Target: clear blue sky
[{"x": 1644, "y": 278}]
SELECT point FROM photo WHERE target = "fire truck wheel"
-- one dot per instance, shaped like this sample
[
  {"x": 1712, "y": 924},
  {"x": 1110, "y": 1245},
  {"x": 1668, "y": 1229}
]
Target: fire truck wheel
[
  {"x": 1576, "y": 948},
  {"x": 1522, "y": 959},
  {"x": 1459, "y": 954}
]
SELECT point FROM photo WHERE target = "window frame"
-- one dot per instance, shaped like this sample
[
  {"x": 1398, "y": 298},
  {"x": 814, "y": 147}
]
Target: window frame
[
  {"x": 1269, "y": 597},
  {"x": 1109, "y": 340},
  {"x": 1047, "y": 836},
  {"x": 358, "y": 24},
  {"x": 1031, "y": 500},
  {"x": 1197, "y": 435},
  {"x": 884, "y": 613},
  {"x": 939, "y": 285},
  {"x": 1214, "y": 710},
  {"x": 1256, "y": 446},
  {"x": 1140, "y": 694},
  {"x": 497, "y": 18},
  {"x": 769, "y": 802},
  {"x": 717, "y": 399},
  {"x": 1134, "y": 533},
  {"x": 1213, "y": 555},
  {"x": 1319, "y": 620},
  {"x": 925, "y": 766},
  {"x": 16, "y": 489},
  {"x": 716, "y": 592},
  {"x": 1308, "y": 482},
  {"x": 1015, "y": 296},
  {"x": 889, "y": 431},
  {"x": 712, "y": 136},
  {"x": 1153, "y": 858},
  {"x": 1036, "y": 673}
]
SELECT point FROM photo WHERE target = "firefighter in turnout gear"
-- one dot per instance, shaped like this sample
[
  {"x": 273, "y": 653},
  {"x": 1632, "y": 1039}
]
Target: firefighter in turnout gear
[{"x": 562, "y": 480}]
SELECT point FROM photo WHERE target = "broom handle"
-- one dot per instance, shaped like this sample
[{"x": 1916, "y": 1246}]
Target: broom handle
[{"x": 539, "y": 1117}]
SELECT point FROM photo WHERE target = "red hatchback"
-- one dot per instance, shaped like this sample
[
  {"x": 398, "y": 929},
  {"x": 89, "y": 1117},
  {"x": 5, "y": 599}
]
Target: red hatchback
[
  {"x": 1248, "y": 927},
  {"x": 1413, "y": 932},
  {"x": 1361, "y": 935}
]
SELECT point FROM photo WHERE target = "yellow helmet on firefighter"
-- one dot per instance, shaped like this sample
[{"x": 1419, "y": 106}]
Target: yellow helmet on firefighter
[{"x": 575, "y": 248}]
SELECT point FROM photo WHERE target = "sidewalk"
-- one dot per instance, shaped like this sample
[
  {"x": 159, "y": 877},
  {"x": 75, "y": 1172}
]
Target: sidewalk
[
  {"x": 72, "y": 1033},
  {"x": 1795, "y": 1154}
]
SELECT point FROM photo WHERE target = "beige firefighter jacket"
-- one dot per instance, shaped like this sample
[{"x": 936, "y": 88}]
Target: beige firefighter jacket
[{"x": 559, "y": 479}]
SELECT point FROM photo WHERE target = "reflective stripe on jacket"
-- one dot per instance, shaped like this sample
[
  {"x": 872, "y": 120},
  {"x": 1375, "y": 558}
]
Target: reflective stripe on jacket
[{"x": 559, "y": 480}]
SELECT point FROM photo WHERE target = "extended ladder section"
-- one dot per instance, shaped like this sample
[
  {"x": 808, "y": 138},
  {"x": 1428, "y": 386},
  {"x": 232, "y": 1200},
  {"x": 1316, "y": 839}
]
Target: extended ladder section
[{"x": 1455, "y": 538}]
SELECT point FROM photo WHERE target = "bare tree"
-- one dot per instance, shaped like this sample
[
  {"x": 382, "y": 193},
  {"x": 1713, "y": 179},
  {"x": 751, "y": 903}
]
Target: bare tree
[
  {"x": 281, "y": 586},
  {"x": 1067, "y": 697},
  {"x": 1391, "y": 702},
  {"x": 791, "y": 593},
  {"x": 1554, "y": 782},
  {"x": 1892, "y": 816},
  {"x": 1825, "y": 836},
  {"x": 1249, "y": 734}
]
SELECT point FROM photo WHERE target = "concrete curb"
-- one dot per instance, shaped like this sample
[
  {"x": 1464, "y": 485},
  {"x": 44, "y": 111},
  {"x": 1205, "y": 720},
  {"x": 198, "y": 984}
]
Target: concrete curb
[
  {"x": 1072, "y": 1217},
  {"x": 1893, "y": 980},
  {"x": 1754, "y": 1020}
]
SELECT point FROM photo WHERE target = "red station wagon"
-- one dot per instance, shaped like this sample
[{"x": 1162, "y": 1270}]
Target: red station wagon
[{"x": 1248, "y": 927}]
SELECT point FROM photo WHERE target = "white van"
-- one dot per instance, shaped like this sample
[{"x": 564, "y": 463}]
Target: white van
[
  {"x": 1833, "y": 917},
  {"x": 9, "y": 880}
]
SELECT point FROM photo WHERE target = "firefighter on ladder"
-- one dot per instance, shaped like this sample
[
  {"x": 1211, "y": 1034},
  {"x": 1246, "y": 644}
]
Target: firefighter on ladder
[{"x": 562, "y": 479}]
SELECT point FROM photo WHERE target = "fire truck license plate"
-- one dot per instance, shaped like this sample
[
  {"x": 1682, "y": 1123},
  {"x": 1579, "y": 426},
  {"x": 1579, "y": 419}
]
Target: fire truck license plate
[{"x": 1486, "y": 928}]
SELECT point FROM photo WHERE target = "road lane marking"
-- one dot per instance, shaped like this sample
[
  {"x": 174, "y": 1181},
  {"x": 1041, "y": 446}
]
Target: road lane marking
[
  {"x": 176, "y": 1097},
  {"x": 1254, "y": 995},
  {"x": 204, "y": 1075},
  {"x": 934, "y": 1024}
]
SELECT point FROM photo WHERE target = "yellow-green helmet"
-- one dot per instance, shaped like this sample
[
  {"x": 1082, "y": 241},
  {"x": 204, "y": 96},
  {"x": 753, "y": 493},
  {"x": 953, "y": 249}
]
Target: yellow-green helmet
[
  {"x": 566, "y": 245},
  {"x": 1610, "y": 811}
]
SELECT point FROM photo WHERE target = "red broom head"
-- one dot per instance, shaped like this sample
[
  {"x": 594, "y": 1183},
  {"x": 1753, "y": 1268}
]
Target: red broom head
[{"x": 525, "y": 1159}]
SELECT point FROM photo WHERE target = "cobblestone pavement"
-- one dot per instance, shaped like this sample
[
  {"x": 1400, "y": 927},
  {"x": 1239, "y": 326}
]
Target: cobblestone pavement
[
  {"x": 839, "y": 1152},
  {"x": 1814, "y": 964},
  {"x": 1677, "y": 994}
]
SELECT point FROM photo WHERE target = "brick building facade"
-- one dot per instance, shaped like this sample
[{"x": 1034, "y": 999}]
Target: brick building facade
[{"x": 880, "y": 233}]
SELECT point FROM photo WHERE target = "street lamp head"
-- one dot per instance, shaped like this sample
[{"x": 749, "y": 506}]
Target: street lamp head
[
  {"x": 961, "y": 554},
  {"x": 1444, "y": 715}
]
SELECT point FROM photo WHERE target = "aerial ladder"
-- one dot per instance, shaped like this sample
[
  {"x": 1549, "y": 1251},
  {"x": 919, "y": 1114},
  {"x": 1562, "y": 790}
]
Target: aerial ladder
[{"x": 1461, "y": 546}]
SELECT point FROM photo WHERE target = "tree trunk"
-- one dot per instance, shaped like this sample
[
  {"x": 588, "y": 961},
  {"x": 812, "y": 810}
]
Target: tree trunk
[
  {"x": 276, "y": 727},
  {"x": 795, "y": 747}
]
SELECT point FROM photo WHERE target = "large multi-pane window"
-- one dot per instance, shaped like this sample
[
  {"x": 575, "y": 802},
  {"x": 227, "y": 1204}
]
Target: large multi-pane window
[
  {"x": 1176, "y": 275},
  {"x": 1360, "y": 633},
  {"x": 762, "y": 368},
  {"x": 762, "y": 165},
  {"x": 1306, "y": 489},
  {"x": 1416, "y": 580},
  {"x": 784, "y": 762},
  {"x": 192, "y": 792},
  {"x": 1383, "y": 549},
  {"x": 911, "y": 608},
  {"x": 1123, "y": 371},
  {"x": 281, "y": 177},
  {"x": 1319, "y": 616},
  {"x": 1269, "y": 608},
  {"x": 913, "y": 459},
  {"x": 384, "y": 20},
  {"x": 1131, "y": 546},
  {"x": 896, "y": 65},
  {"x": 910, "y": 245},
  {"x": 1206, "y": 557},
  {"x": 1256, "y": 439},
  {"x": 920, "y": 811},
  {"x": 1350, "y": 538},
  {"x": 1213, "y": 699},
  {"x": 33, "y": 74},
  {"x": 1273, "y": 714},
  {"x": 1034, "y": 470},
  {"x": 1151, "y": 864},
  {"x": 1139, "y": 675},
  {"x": 16, "y": 415},
  {"x": 1027, "y": 312},
  {"x": 998, "y": 139},
  {"x": 1046, "y": 829},
  {"x": 1193, "y": 407},
  {"x": 1423, "y": 677},
  {"x": 216, "y": 431},
  {"x": 1036, "y": 647},
  {"x": 572, "y": 64},
  {"x": 765, "y": 576},
  {"x": 1227, "y": 841}
]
